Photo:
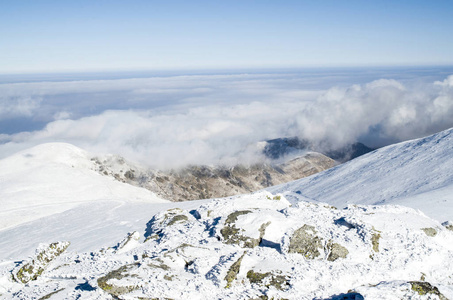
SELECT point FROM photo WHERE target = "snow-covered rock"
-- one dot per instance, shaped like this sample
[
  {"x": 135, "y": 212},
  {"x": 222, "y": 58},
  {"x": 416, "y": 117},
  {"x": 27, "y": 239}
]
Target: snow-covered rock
[{"x": 280, "y": 250}]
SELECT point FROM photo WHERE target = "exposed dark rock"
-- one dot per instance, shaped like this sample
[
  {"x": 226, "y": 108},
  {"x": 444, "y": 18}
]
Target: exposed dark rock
[
  {"x": 233, "y": 271},
  {"x": 304, "y": 241},
  {"x": 336, "y": 251},
  {"x": 116, "y": 290},
  {"x": 430, "y": 231},
  {"x": 375, "y": 236},
  {"x": 34, "y": 268},
  {"x": 448, "y": 225},
  {"x": 233, "y": 235},
  {"x": 425, "y": 288},
  {"x": 268, "y": 279}
]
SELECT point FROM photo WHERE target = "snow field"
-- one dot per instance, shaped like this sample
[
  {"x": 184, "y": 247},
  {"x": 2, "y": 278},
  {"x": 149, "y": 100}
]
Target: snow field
[{"x": 186, "y": 253}]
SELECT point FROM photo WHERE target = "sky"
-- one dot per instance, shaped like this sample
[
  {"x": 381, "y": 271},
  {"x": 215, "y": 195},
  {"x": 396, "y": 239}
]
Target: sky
[
  {"x": 171, "y": 83},
  {"x": 59, "y": 36}
]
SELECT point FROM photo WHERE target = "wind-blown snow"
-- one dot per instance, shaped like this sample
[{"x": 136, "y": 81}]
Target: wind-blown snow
[{"x": 416, "y": 173}]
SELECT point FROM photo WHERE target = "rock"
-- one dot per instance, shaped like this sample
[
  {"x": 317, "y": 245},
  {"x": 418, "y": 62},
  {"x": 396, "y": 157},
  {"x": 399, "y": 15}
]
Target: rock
[
  {"x": 232, "y": 218},
  {"x": 162, "y": 220},
  {"x": 203, "y": 182},
  {"x": 33, "y": 269},
  {"x": 178, "y": 219},
  {"x": 336, "y": 251},
  {"x": 129, "y": 175},
  {"x": 50, "y": 294},
  {"x": 233, "y": 271},
  {"x": 268, "y": 279},
  {"x": 304, "y": 241},
  {"x": 375, "y": 236},
  {"x": 233, "y": 235},
  {"x": 425, "y": 288},
  {"x": 116, "y": 290},
  {"x": 448, "y": 225},
  {"x": 159, "y": 264},
  {"x": 430, "y": 231}
]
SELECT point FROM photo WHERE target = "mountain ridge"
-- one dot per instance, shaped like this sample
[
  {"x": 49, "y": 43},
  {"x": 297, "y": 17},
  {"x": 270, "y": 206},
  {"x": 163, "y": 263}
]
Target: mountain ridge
[
  {"x": 204, "y": 182},
  {"x": 394, "y": 174}
]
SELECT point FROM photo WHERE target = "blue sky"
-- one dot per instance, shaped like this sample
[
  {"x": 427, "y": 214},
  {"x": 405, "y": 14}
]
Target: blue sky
[{"x": 58, "y": 36}]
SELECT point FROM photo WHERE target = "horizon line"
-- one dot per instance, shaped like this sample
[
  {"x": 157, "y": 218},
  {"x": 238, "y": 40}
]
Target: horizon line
[{"x": 223, "y": 69}]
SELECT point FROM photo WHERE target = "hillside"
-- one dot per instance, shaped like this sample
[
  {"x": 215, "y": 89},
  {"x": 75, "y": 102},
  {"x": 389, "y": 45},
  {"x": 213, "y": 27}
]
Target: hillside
[
  {"x": 334, "y": 235},
  {"x": 204, "y": 182},
  {"x": 416, "y": 173},
  {"x": 51, "y": 178}
]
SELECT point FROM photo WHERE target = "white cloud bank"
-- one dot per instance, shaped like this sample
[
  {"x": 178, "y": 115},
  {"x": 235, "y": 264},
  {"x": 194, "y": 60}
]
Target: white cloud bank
[
  {"x": 174, "y": 121},
  {"x": 11, "y": 107}
]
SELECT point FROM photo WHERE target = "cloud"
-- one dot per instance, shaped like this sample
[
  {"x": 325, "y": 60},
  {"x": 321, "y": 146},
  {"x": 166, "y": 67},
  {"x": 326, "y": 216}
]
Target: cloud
[
  {"x": 172, "y": 122},
  {"x": 387, "y": 107},
  {"x": 11, "y": 107}
]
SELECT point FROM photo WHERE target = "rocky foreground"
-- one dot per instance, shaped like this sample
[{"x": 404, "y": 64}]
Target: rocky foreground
[{"x": 258, "y": 246}]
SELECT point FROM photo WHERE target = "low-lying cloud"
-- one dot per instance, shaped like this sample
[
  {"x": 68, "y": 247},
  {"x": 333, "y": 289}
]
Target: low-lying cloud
[
  {"x": 170, "y": 122},
  {"x": 12, "y": 107}
]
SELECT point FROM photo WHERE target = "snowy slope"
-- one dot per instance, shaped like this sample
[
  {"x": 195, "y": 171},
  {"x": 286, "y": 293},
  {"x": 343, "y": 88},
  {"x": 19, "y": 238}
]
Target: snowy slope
[
  {"x": 264, "y": 245},
  {"x": 416, "y": 173},
  {"x": 51, "y": 178},
  {"x": 251, "y": 247}
]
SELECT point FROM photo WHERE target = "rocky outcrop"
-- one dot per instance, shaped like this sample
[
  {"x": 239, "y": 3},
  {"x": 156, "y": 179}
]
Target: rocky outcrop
[
  {"x": 336, "y": 251},
  {"x": 269, "y": 279},
  {"x": 105, "y": 283},
  {"x": 34, "y": 268},
  {"x": 203, "y": 182},
  {"x": 426, "y": 289},
  {"x": 305, "y": 241},
  {"x": 259, "y": 246},
  {"x": 432, "y": 232},
  {"x": 233, "y": 235},
  {"x": 233, "y": 271},
  {"x": 448, "y": 225}
]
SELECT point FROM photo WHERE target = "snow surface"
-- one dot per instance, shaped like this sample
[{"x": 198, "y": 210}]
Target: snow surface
[
  {"x": 190, "y": 258},
  {"x": 50, "y": 193},
  {"x": 416, "y": 173},
  {"x": 54, "y": 177}
]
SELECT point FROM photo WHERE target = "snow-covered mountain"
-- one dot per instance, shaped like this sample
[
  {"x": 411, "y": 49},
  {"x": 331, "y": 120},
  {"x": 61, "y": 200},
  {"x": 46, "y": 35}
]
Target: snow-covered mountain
[
  {"x": 416, "y": 173},
  {"x": 294, "y": 242},
  {"x": 51, "y": 178}
]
